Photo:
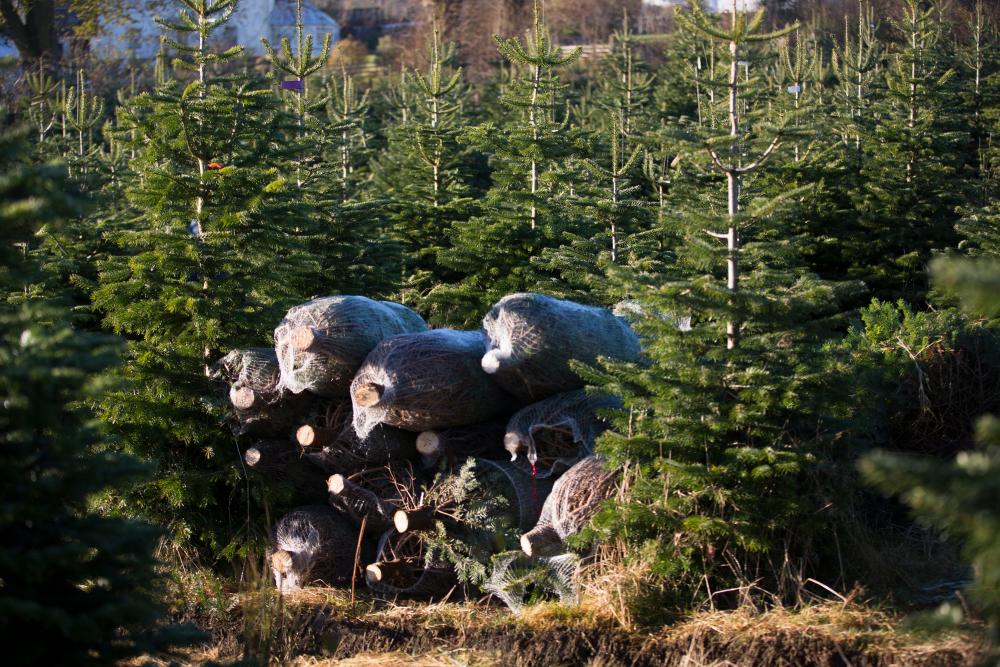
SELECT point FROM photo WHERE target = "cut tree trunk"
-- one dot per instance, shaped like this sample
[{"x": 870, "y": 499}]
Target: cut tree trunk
[
  {"x": 422, "y": 518},
  {"x": 358, "y": 502}
]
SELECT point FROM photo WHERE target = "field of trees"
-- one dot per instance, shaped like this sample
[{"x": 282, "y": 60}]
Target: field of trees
[{"x": 798, "y": 219}]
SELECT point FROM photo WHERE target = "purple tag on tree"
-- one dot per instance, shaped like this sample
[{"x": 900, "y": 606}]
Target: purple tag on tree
[{"x": 293, "y": 84}]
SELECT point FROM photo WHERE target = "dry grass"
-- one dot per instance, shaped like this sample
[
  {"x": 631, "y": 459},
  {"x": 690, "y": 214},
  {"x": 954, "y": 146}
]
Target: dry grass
[
  {"x": 844, "y": 627},
  {"x": 460, "y": 657},
  {"x": 321, "y": 626}
]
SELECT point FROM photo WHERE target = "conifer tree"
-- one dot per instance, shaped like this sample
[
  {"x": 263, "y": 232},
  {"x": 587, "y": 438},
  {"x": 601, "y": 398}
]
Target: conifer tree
[
  {"x": 493, "y": 252},
  {"x": 979, "y": 225},
  {"x": 629, "y": 85},
  {"x": 613, "y": 198},
  {"x": 42, "y": 104},
  {"x": 299, "y": 62},
  {"x": 855, "y": 62},
  {"x": 742, "y": 32},
  {"x": 83, "y": 112},
  {"x": 717, "y": 424},
  {"x": 208, "y": 260},
  {"x": 426, "y": 169},
  {"x": 913, "y": 159},
  {"x": 77, "y": 584},
  {"x": 959, "y": 497},
  {"x": 826, "y": 159}
]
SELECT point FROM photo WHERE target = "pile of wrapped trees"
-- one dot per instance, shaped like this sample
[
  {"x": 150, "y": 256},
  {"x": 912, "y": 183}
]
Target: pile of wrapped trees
[{"x": 433, "y": 449}]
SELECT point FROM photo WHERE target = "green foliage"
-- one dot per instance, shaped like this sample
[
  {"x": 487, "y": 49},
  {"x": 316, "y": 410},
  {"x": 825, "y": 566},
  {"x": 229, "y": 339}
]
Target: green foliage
[
  {"x": 958, "y": 497},
  {"x": 935, "y": 371},
  {"x": 471, "y": 517},
  {"x": 426, "y": 169},
  {"x": 721, "y": 423},
  {"x": 213, "y": 251},
  {"x": 914, "y": 156},
  {"x": 750, "y": 187},
  {"x": 493, "y": 252},
  {"x": 77, "y": 584}
]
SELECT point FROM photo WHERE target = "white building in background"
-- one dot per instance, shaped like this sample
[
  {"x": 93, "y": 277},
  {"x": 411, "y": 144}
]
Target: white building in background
[{"x": 138, "y": 36}]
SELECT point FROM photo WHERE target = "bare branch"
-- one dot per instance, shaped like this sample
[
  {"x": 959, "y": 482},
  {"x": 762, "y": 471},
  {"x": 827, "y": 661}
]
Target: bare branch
[{"x": 763, "y": 158}]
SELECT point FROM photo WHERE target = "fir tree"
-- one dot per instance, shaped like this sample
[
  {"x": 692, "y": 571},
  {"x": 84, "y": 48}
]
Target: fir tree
[
  {"x": 322, "y": 142},
  {"x": 718, "y": 423},
  {"x": 913, "y": 158},
  {"x": 84, "y": 112},
  {"x": 979, "y": 225},
  {"x": 959, "y": 497},
  {"x": 43, "y": 107},
  {"x": 522, "y": 217},
  {"x": 300, "y": 63},
  {"x": 629, "y": 85},
  {"x": 426, "y": 168},
  {"x": 77, "y": 584},
  {"x": 612, "y": 197},
  {"x": 208, "y": 259}
]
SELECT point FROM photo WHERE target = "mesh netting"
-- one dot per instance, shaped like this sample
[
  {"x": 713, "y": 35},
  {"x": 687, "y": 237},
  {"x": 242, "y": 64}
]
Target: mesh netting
[
  {"x": 632, "y": 311},
  {"x": 531, "y": 339},
  {"x": 575, "y": 498},
  {"x": 525, "y": 494},
  {"x": 311, "y": 544},
  {"x": 375, "y": 493},
  {"x": 557, "y": 432},
  {"x": 320, "y": 344},
  {"x": 259, "y": 407},
  {"x": 518, "y": 580},
  {"x": 425, "y": 381},
  {"x": 459, "y": 443},
  {"x": 333, "y": 445},
  {"x": 255, "y": 369},
  {"x": 400, "y": 568}
]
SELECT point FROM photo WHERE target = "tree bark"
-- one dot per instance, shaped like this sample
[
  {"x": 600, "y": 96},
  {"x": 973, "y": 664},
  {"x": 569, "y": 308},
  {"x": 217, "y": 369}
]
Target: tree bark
[{"x": 35, "y": 36}]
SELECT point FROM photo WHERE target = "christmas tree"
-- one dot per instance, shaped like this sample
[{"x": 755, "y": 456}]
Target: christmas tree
[
  {"x": 492, "y": 253},
  {"x": 208, "y": 260},
  {"x": 77, "y": 583},
  {"x": 718, "y": 423}
]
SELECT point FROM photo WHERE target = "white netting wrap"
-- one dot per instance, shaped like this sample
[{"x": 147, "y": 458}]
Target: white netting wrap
[
  {"x": 525, "y": 494},
  {"x": 311, "y": 544},
  {"x": 260, "y": 407},
  {"x": 531, "y": 339},
  {"x": 320, "y": 344},
  {"x": 574, "y": 500},
  {"x": 253, "y": 368},
  {"x": 425, "y": 381},
  {"x": 557, "y": 432},
  {"x": 632, "y": 311},
  {"x": 332, "y": 444},
  {"x": 518, "y": 580},
  {"x": 401, "y": 568}
]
